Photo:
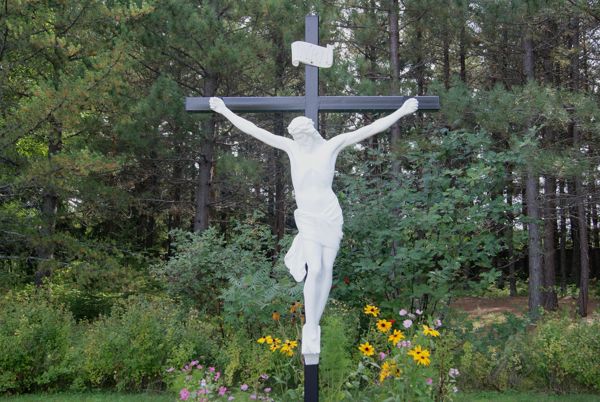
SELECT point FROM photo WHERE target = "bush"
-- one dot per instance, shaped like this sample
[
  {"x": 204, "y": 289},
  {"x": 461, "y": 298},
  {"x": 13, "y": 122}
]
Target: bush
[
  {"x": 34, "y": 345},
  {"x": 132, "y": 348},
  {"x": 558, "y": 354},
  {"x": 566, "y": 354}
]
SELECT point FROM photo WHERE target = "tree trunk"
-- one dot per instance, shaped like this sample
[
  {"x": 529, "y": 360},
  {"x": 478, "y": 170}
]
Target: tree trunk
[
  {"x": 395, "y": 70},
  {"x": 49, "y": 209},
  {"x": 512, "y": 277},
  {"x": 584, "y": 258},
  {"x": 549, "y": 276},
  {"x": 462, "y": 54},
  {"x": 563, "y": 238},
  {"x": 533, "y": 210}
]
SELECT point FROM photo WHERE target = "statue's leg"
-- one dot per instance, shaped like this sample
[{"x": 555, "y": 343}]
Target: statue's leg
[
  {"x": 312, "y": 297},
  {"x": 328, "y": 258}
]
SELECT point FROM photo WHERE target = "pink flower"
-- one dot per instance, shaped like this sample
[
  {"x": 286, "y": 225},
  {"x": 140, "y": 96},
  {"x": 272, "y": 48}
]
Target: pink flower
[
  {"x": 194, "y": 362},
  {"x": 253, "y": 396},
  {"x": 403, "y": 312},
  {"x": 244, "y": 387},
  {"x": 211, "y": 369},
  {"x": 407, "y": 323},
  {"x": 217, "y": 375},
  {"x": 184, "y": 394},
  {"x": 438, "y": 323},
  {"x": 264, "y": 376},
  {"x": 382, "y": 356},
  {"x": 429, "y": 381},
  {"x": 267, "y": 390},
  {"x": 222, "y": 391},
  {"x": 231, "y": 398},
  {"x": 170, "y": 369},
  {"x": 418, "y": 312}
]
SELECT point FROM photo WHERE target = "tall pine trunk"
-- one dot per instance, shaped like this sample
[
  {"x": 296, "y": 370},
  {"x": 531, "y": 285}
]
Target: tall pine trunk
[{"x": 533, "y": 209}]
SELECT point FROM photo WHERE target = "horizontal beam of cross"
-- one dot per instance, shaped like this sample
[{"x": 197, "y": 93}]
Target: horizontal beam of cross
[{"x": 325, "y": 103}]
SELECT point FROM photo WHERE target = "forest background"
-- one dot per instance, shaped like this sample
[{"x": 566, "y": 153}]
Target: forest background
[{"x": 111, "y": 194}]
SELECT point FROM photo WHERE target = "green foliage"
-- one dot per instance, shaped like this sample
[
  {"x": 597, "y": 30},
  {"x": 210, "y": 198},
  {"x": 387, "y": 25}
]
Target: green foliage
[
  {"x": 208, "y": 272},
  {"x": 566, "y": 354},
  {"x": 131, "y": 348},
  {"x": 35, "y": 345},
  {"x": 407, "y": 238},
  {"x": 335, "y": 362}
]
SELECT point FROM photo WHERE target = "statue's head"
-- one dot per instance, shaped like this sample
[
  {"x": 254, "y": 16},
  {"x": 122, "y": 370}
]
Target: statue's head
[{"x": 302, "y": 127}]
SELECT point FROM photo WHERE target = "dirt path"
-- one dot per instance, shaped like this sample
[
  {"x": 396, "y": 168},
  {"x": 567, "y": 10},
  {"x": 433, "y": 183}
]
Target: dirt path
[{"x": 482, "y": 306}]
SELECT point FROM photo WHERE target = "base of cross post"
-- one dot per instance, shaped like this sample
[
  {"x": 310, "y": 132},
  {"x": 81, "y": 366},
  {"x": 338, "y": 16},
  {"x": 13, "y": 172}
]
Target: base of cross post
[{"x": 311, "y": 383}]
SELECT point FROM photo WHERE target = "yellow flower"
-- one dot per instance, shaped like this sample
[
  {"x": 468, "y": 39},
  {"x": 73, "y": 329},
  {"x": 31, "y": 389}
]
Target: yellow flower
[
  {"x": 388, "y": 370},
  {"x": 261, "y": 340},
  {"x": 291, "y": 344},
  {"x": 275, "y": 344},
  {"x": 384, "y": 325},
  {"x": 420, "y": 355},
  {"x": 286, "y": 351},
  {"x": 396, "y": 336},
  {"x": 269, "y": 339},
  {"x": 371, "y": 310},
  {"x": 424, "y": 359},
  {"x": 367, "y": 349},
  {"x": 427, "y": 330}
]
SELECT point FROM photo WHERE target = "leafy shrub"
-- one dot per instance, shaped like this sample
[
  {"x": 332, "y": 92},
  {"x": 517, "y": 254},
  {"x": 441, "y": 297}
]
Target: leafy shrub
[
  {"x": 34, "y": 344},
  {"x": 235, "y": 278},
  {"x": 566, "y": 354},
  {"x": 131, "y": 348},
  {"x": 492, "y": 356},
  {"x": 335, "y": 361}
]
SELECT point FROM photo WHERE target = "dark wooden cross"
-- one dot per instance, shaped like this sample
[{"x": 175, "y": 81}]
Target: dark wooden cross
[{"x": 311, "y": 103}]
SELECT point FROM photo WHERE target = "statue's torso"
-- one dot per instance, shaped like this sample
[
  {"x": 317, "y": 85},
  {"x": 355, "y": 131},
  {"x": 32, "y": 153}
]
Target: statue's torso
[{"x": 312, "y": 177}]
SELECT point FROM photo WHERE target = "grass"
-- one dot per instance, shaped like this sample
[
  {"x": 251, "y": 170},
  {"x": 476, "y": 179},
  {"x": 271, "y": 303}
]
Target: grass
[
  {"x": 90, "y": 397},
  {"x": 510, "y": 396}
]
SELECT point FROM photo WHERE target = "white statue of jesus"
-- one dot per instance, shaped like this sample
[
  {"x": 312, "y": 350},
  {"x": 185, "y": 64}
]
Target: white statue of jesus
[{"x": 319, "y": 216}]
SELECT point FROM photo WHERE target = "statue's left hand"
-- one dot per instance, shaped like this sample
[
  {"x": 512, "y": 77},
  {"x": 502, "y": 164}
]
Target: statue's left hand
[
  {"x": 217, "y": 105},
  {"x": 410, "y": 106}
]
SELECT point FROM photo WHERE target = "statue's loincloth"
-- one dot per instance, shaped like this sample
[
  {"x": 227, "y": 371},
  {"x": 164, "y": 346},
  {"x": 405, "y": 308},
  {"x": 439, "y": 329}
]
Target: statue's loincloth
[{"x": 324, "y": 228}]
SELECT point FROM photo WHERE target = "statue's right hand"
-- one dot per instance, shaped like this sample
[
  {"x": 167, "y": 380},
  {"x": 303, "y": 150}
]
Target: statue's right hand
[{"x": 217, "y": 104}]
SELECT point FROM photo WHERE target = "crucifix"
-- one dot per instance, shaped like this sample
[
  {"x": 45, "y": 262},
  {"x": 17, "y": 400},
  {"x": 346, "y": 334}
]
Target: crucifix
[{"x": 312, "y": 162}]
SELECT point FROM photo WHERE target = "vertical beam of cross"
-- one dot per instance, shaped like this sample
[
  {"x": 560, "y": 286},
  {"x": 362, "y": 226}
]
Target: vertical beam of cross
[{"x": 311, "y": 95}]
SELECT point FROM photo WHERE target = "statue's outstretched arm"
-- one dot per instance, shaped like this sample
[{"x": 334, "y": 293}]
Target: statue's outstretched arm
[
  {"x": 217, "y": 105},
  {"x": 343, "y": 140}
]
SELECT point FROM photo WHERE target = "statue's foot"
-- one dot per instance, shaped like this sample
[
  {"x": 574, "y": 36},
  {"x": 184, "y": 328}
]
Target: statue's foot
[{"x": 311, "y": 344}]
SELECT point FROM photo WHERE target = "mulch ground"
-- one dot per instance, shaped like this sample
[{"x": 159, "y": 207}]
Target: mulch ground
[{"x": 483, "y": 306}]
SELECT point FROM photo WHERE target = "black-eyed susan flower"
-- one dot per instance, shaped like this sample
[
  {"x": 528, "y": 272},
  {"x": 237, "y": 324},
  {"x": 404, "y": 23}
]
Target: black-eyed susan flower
[
  {"x": 276, "y": 344},
  {"x": 420, "y": 355},
  {"x": 367, "y": 349},
  {"x": 269, "y": 339},
  {"x": 388, "y": 369},
  {"x": 396, "y": 336},
  {"x": 371, "y": 310},
  {"x": 384, "y": 325},
  {"x": 427, "y": 330},
  {"x": 261, "y": 340},
  {"x": 288, "y": 347}
]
